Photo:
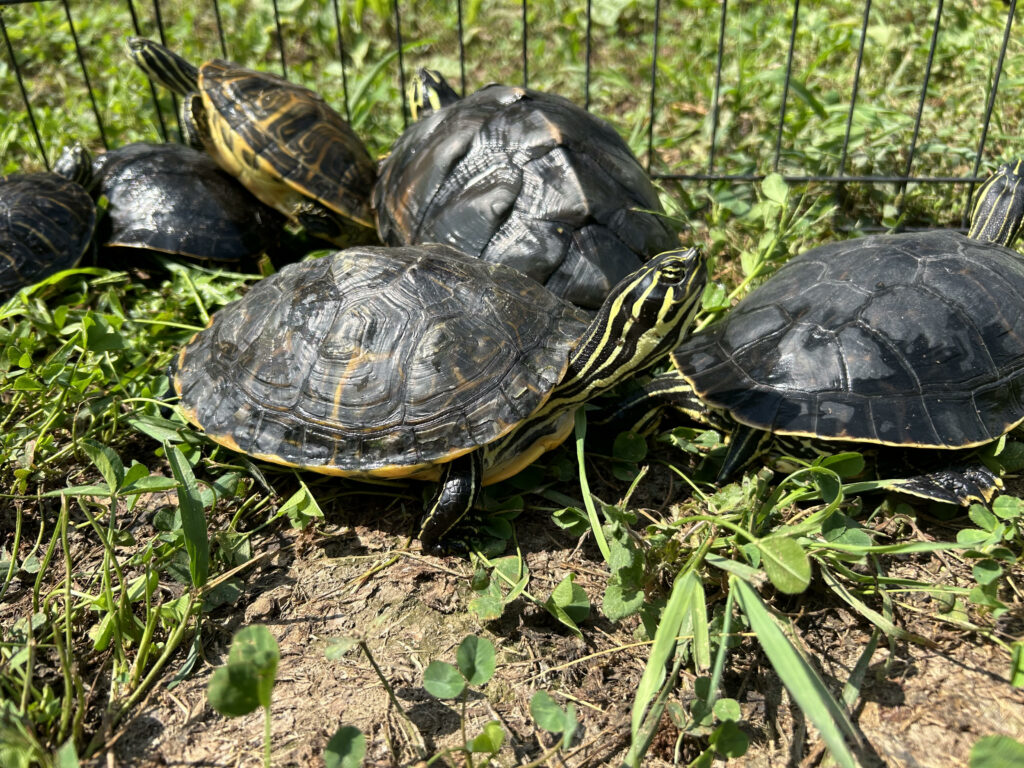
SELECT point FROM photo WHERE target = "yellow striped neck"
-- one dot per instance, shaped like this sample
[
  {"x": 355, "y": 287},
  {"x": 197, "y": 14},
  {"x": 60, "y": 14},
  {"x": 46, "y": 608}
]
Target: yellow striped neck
[{"x": 999, "y": 209}]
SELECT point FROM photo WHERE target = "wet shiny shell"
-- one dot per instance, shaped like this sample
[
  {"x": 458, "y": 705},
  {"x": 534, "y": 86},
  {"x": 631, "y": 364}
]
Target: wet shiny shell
[
  {"x": 279, "y": 138},
  {"x": 377, "y": 361},
  {"x": 912, "y": 339},
  {"x": 46, "y": 224},
  {"x": 527, "y": 179},
  {"x": 175, "y": 199}
]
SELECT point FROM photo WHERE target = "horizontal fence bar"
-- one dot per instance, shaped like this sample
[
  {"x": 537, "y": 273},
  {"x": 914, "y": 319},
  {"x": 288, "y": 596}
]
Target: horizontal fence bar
[
  {"x": 719, "y": 44},
  {"x": 796, "y": 178}
]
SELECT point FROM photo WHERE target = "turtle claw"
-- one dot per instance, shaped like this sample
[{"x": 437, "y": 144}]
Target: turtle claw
[{"x": 962, "y": 484}]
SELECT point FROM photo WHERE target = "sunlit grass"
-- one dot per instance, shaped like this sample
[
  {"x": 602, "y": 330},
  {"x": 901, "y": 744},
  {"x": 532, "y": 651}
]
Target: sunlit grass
[{"x": 87, "y": 434}]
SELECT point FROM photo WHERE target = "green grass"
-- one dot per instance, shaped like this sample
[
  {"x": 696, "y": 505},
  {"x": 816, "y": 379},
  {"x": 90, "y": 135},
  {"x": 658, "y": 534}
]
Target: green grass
[{"x": 87, "y": 439}]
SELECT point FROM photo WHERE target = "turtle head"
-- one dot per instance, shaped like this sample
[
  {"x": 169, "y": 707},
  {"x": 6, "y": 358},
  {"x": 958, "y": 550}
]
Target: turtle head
[
  {"x": 999, "y": 210},
  {"x": 644, "y": 318},
  {"x": 429, "y": 92},
  {"x": 163, "y": 66},
  {"x": 75, "y": 164}
]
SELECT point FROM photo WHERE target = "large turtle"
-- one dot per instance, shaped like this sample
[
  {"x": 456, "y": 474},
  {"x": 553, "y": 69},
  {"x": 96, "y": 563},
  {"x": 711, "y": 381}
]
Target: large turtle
[
  {"x": 47, "y": 221},
  {"x": 175, "y": 199},
  {"x": 913, "y": 340},
  {"x": 421, "y": 362},
  {"x": 524, "y": 178},
  {"x": 282, "y": 141}
]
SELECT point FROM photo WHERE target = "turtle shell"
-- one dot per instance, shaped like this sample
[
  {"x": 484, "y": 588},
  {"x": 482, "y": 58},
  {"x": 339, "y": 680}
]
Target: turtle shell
[
  {"x": 175, "y": 199},
  {"x": 912, "y": 340},
  {"x": 284, "y": 142},
  {"x": 46, "y": 225},
  {"x": 528, "y": 179},
  {"x": 377, "y": 361}
]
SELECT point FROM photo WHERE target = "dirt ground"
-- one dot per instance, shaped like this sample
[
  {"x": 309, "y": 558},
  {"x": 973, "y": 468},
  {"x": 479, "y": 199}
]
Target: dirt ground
[{"x": 922, "y": 704}]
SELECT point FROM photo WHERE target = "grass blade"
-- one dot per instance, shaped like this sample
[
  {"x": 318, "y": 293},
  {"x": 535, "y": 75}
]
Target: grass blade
[
  {"x": 801, "y": 680},
  {"x": 193, "y": 519},
  {"x": 676, "y": 610}
]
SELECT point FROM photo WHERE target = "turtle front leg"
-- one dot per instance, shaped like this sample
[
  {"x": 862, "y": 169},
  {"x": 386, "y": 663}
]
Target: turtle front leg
[
  {"x": 457, "y": 492},
  {"x": 643, "y": 410}
]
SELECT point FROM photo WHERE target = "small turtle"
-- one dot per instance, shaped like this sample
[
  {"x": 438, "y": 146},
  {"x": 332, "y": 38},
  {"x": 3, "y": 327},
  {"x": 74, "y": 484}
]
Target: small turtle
[
  {"x": 177, "y": 200},
  {"x": 282, "y": 141},
  {"x": 421, "y": 362},
  {"x": 912, "y": 340},
  {"x": 47, "y": 221},
  {"x": 524, "y": 178}
]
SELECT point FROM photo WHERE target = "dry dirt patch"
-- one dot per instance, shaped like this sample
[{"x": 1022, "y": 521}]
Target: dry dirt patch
[{"x": 921, "y": 704}]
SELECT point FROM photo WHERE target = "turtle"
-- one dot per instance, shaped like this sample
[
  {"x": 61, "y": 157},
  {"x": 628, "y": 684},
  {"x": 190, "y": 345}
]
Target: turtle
[
  {"x": 282, "y": 141},
  {"x": 174, "y": 199},
  {"x": 911, "y": 342},
  {"x": 421, "y": 362},
  {"x": 525, "y": 178},
  {"x": 47, "y": 220}
]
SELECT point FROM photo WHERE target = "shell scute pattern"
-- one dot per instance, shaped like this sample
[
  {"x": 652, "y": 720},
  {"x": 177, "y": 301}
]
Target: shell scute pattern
[
  {"x": 527, "y": 179},
  {"x": 894, "y": 339},
  {"x": 175, "y": 199},
  {"x": 46, "y": 224},
  {"x": 291, "y": 132},
  {"x": 377, "y": 361}
]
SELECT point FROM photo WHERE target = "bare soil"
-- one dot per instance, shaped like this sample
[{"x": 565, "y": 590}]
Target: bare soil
[{"x": 923, "y": 703}]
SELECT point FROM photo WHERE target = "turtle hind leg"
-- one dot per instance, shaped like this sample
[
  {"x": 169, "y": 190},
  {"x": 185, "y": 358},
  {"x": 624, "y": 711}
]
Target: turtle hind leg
[
  {"x": 457, "y": 492},
  {"x": 321, "y": 222},
  {"x": 961, "y": 484}
]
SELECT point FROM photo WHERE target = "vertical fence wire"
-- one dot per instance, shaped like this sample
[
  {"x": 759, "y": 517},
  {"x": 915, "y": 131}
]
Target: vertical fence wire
[
  {"x": 526, "y": 70},
  {"x": 900, "y": 179},
  {"x": 989, "y": 106},
  {"x": 586, "y": 60},
  {"x": 856, "y": 87},
  {"x": 220, "y": 29},
  {"x": 654, "y": 83},
  {"x": 152, "y": 88},
  {"x": 716, "y": 93},
  {"x": 462, "y": 49},
  {"x": 24, "y": 93},
  {"x": 912, "y": 150},
  {"x": 280, "y": 40},
  {"x": 785, "y": 87},
  {"x": 159, "y": 19},
  {"x": 401, "y": 65},
  {"x": 85, "y": 75},
  {"x": 341, "y": 58}
]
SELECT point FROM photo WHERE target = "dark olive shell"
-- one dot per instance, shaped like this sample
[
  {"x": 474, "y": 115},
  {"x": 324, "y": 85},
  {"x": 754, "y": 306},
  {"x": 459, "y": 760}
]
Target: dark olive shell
[
  {"x": 271, "y": 129},
  {"x": 377, "y": 361},
  {"x": 527, "y": 179},
  {"x": 46, "y": 225},
  {"x": 175, "y": 199},
  {"x": 913, "y": 339}
]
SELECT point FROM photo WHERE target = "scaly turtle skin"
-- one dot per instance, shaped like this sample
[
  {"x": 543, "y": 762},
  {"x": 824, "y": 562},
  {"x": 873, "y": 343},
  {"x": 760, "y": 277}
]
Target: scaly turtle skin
[
  {"x": 421, "y": 362},
  {"x": 46, "y": 225},
  {"x": 523, "y": 178},
  {"x": 175, "y": 199},
  {"x": 912, "y": 340},
  {"x": 282, "y": 141}
]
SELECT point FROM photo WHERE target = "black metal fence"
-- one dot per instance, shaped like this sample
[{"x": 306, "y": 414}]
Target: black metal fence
[{"x": 659, "y": 31}]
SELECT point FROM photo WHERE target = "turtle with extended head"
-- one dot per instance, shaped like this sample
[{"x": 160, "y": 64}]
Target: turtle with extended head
[
  {"x": 524, "y": 178},
  {"x": 282, "y": 141},
  {"x": 421, "y": 362},
  {"x": 911, "y": 341}
]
